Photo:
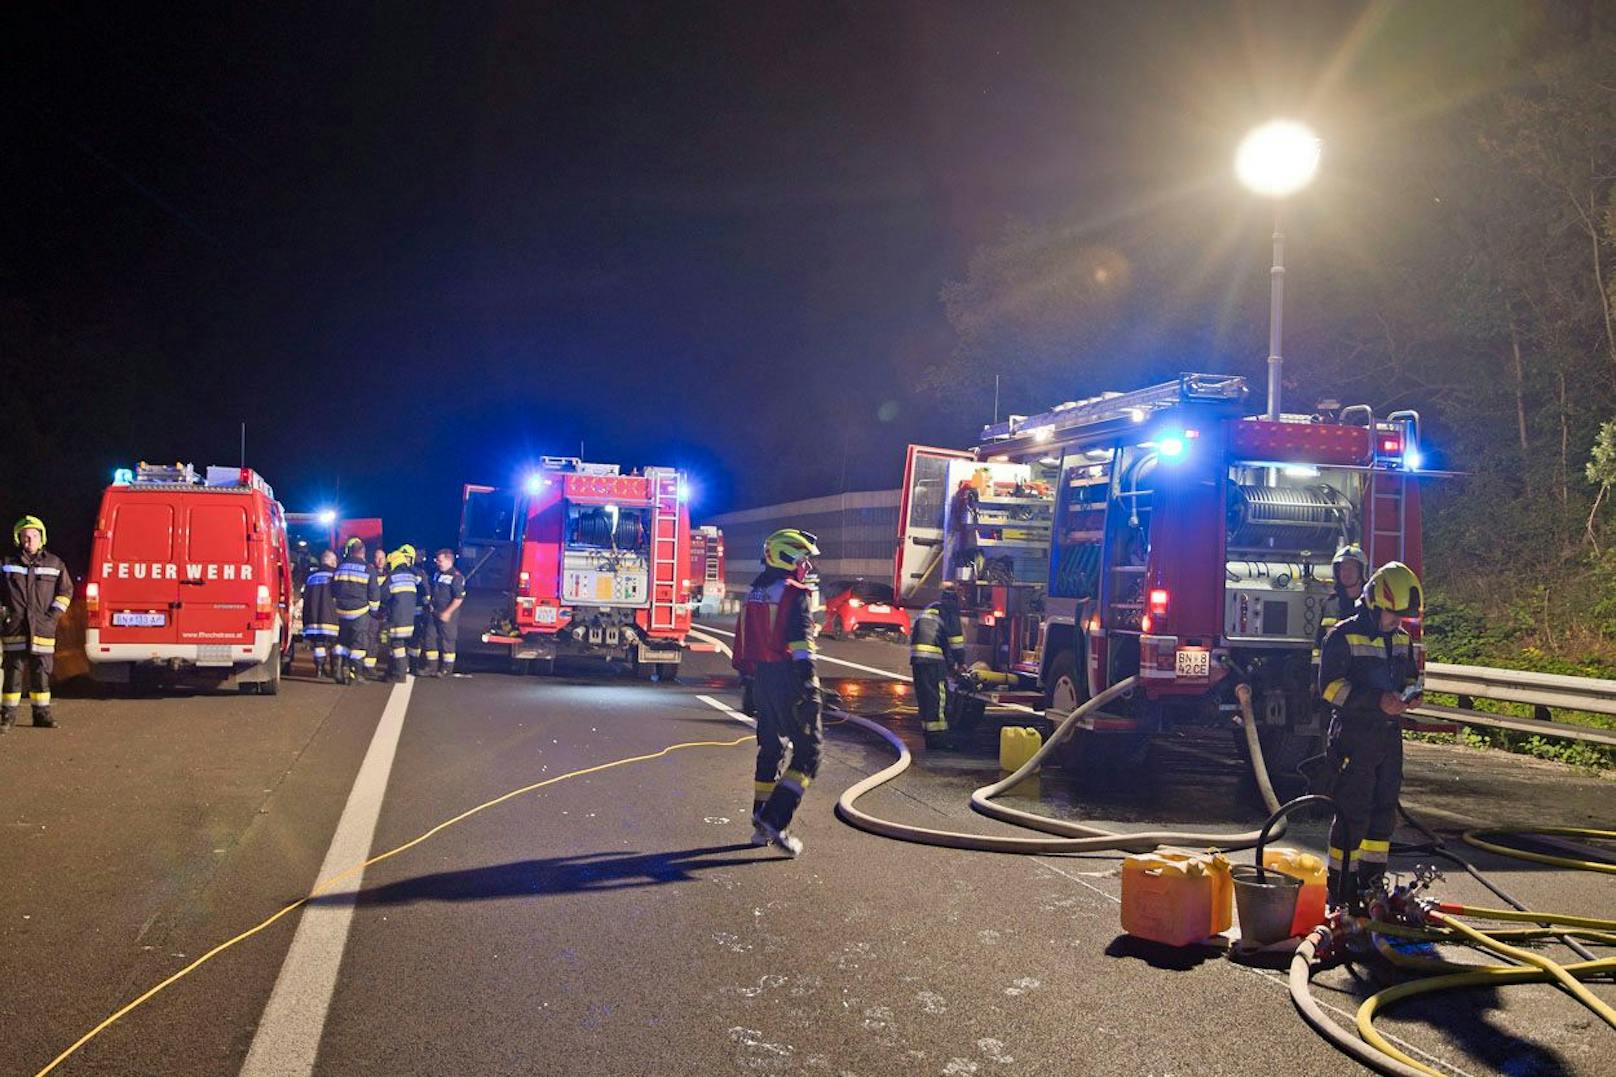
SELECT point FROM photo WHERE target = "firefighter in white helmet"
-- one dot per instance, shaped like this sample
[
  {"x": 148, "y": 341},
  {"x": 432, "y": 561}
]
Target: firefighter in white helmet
[
  {"x": 774, "y": 646},
  {"x": 1367, "y": 673}
]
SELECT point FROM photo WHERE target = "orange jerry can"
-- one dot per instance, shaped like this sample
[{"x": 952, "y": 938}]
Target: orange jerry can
[
  {"x": 1176, "y": 898},
  {"x": 1311, "y": 870}
]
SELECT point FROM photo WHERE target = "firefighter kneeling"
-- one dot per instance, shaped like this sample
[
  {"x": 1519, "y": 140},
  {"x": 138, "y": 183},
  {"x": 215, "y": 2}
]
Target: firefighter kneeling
[
  {"x": 774, "y": 646},
  {"x": 1367, "y": 673},
  {"x": 936, "y": 645}
]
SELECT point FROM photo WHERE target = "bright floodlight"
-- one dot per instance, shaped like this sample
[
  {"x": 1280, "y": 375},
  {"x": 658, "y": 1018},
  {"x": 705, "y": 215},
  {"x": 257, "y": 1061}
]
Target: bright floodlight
[
  {"x": 328, "y": 517},
  {"x": 1278, "y": 159},
  {"x": 533, "y": 483}
]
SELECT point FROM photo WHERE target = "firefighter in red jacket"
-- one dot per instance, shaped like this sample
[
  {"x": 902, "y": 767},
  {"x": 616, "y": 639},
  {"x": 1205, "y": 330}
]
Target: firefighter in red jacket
[
  {"x": 1367, "y": 673},
  {"x": 774, "y": 646},
  {"x": 36, "y": 592}
]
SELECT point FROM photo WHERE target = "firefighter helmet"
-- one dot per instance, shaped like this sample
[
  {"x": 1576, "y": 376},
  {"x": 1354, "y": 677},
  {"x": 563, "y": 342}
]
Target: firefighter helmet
[
  {"x": 24, "y": 524},
  {"x": 786, "y": 547},
  {"x": 1395, "y": 589},
  {"x": 1350, "y": 552},
  {"x": 354, "y": 543},
  {"x": 404, "y": 555}
]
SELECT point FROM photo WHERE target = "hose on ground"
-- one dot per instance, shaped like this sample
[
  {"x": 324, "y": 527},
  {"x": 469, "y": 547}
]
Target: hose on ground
[
  {"x": 1070, "y": 837},
  {"x": 1481, "y": 840},
  {"x": 1301, "y": 971}
]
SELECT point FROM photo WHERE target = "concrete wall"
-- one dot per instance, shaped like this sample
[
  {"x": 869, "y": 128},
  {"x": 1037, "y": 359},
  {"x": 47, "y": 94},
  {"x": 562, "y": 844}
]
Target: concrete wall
[{"x": 858, "y": 534}]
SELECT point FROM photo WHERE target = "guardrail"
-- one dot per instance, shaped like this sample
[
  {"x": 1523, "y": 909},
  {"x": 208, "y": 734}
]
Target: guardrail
[{"x": 1544, "y": 692}]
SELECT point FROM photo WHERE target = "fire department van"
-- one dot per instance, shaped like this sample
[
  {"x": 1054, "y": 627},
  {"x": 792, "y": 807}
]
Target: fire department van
[{"x": 189, "y": 576}]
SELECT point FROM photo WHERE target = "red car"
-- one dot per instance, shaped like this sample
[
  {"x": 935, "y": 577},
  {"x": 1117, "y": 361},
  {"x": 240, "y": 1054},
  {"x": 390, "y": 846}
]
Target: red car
[{"x": 863, "y": 608}]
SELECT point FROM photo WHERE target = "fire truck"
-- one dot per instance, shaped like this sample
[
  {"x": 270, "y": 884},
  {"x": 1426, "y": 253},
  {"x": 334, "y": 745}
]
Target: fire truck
[
  {"x": 706, "y": 570},
  {"x": 1164, "y": 534},
  {"x": 590, "y": 563}
]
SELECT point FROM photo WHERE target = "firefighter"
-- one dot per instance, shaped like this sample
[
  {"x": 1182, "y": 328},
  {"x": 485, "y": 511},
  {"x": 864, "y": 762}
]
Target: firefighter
[
  {"x": 375, "y": 627},
  {"x": 354, "y": 587},
  {"x": 319, "y": 615},
  {"x": 1349, "y": 568},
  {"x": 936, "y": 646},
  {"x": 399, "y": 610},
  {"x": 36, "y": 592},
  {"x": 1367, "y": 673},
  {"x": 443, "y": 621},
  {"x": 422, "y": 570},
  {"x": 774, "y": 646}
]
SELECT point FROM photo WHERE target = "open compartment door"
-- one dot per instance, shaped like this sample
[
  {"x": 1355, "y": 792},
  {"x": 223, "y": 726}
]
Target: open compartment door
[
  {"x": 487, "y": 535},
  {"x": 918, "y": 565}
]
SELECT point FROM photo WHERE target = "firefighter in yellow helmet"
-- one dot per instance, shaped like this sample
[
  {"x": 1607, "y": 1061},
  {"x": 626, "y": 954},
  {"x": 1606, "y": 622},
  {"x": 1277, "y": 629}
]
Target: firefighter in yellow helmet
[
  {"x": 1367, "y": 673},
  {"x": 774, "y": 647},
  {"x": 34, "y": 593},
  {"x": 398, "y": 610}
]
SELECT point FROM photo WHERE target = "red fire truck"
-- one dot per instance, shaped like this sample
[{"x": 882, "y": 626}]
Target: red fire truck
[
  {"x": 190, "y": 576},
  {"x": 592, "y": 563},
  {"x": 1161, "y": 533},
  {"x": 706, "y": 570}
]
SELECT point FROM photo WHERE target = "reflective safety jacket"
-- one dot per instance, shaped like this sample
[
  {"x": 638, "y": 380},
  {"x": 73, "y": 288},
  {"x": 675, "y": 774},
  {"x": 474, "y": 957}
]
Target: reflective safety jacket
[
  {"x": 402, "y": 586},
  {"x": 1359, "y": 662},
  {"x": 36, "y": 592},
  {"x": 936, "y": 635},
  {"x": 446, "y": 587},
  {"x": 319, "y": 612},
  {"x": 355, "y": 589},
  {"x": 776, "y": 622},
  {"x": 1338, "y": 607}
]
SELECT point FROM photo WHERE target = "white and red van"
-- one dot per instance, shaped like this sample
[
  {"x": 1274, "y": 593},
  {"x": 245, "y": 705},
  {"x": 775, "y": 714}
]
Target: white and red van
[{"x": 189, "y": 577}]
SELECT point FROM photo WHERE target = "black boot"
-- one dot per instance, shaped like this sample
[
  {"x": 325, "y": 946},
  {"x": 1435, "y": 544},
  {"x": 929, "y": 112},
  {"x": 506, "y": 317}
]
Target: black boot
[
  {"x": 8, "y": 718},
  {"x": 43, "y": 719}
]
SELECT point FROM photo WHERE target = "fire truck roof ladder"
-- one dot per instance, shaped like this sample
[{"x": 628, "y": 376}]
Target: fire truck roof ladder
[
  {"x": 1109, "y": 407},
  {"x": 664, "y": 545}
]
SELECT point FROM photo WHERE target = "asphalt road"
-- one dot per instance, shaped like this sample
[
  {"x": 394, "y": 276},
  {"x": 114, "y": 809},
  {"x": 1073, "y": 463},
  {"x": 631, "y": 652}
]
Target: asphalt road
[{"x": 618, "y": 923}]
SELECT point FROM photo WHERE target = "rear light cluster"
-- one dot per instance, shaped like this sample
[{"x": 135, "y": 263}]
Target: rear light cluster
[
  {"x": 1157, "y": 655},
  {"x": 522, "y": 584},
  {"x": 263, "y": 609}
]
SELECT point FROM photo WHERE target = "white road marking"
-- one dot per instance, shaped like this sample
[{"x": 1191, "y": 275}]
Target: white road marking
[
  {"x": 288, "y": 1036},
  {"x": 727, "y": 709},
  {"x": 821, "y": 656}
]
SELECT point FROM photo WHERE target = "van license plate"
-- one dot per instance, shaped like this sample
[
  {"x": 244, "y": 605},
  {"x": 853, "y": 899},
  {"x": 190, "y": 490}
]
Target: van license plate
[
  {"x": 1193, "y": 662},
  {"x": 128, "y": 619}
]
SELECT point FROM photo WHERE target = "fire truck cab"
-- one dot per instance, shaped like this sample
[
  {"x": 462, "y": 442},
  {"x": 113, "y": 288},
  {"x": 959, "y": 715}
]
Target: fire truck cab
[
  {"x": 1162, "y": 534},
  {"x": 594, "y": 564},
  {"x": 189, "y": 575}
]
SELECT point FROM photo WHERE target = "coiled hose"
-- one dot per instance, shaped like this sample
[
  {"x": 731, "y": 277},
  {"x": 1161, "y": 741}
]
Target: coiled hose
[{"x": 1070, "y": 837}]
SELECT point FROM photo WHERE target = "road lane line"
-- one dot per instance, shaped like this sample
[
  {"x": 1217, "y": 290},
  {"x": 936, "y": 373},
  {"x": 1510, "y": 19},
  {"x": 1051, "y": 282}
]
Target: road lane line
[
  {"x": 288, "y": 1036},
  {"x": 727, "y": 709},
  {"x": 821, "y": 656}
]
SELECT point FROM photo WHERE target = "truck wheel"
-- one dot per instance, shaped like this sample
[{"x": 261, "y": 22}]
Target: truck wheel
[
  {"x": 520, "y": 666},
  {"x": 272, "y": 686},
  {"x": 667, "y": 672},
  {"x": 1283, "y": 752},
  {"x": 833, "y": 627},
  {"x": 542, "y": 667},
  {"x": 1066, "y": 692}
]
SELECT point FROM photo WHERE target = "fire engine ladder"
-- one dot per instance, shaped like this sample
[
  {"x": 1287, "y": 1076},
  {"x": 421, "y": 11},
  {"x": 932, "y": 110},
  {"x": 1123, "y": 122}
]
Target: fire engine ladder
[
  {"x": 664, "y": 545},
  {"x": 1388, "y": 522}
]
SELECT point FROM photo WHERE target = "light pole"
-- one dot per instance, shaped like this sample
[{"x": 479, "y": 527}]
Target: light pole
[{"x": 1276, "y": 160}]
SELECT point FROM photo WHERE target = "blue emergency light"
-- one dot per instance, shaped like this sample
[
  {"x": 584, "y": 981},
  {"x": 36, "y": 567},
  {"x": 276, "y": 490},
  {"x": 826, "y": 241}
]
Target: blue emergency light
[{"x": 122, "y": 476}]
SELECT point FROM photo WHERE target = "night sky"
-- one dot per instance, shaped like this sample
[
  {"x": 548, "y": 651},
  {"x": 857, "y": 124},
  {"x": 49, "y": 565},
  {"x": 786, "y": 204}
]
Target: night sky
[{"x": 417, "y": 245}]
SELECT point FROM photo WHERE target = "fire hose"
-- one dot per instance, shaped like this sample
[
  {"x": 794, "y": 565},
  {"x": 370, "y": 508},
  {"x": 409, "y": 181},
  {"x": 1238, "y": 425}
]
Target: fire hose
[{"x": 1069, "y": 836}]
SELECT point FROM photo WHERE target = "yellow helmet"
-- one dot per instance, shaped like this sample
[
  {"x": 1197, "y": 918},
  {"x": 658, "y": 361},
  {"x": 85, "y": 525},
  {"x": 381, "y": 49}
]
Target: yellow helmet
[
  {"x": 1396, "y": 589},
  {"x": 404, "y": 555},
  {"x": 24, "y": 524},
  {"x": 786, "y": 547}
]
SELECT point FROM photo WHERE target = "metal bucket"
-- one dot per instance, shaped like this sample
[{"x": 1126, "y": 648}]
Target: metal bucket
[{"x": 1266, "y": 902}]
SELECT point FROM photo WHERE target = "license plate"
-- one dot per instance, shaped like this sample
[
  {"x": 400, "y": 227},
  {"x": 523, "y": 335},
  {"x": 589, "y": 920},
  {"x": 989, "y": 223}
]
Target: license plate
[
  {"x": 1193, "y": 662},
  {"x": 128, "y": 619},
  {"x": 880, "y": 609},
  {"x": 545, "y": 615}
]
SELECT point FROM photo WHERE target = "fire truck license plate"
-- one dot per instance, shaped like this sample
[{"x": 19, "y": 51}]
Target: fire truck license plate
[
  {"x": 1193, "y": 662},
  {"x": 125, "y": 619},
  {"x": 545, "y": 615}
]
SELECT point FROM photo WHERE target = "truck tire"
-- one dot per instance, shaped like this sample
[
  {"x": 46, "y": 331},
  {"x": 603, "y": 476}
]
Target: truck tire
[
  {"x": 271, "y": 686},
  {"x": 1283, "y": 752},
  {"x": 542, "y": 667},
  {"x": 667, "y": 672}
]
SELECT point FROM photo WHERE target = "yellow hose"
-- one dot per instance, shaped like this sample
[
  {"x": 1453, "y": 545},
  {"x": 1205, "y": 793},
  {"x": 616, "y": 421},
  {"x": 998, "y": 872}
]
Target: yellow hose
[
  {"x": 1527, "y": 957},
  {"x": 1593, "y": 923},
  {"x": 1490, "y": 976},
  {"x": 1479, "y": 839}
]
